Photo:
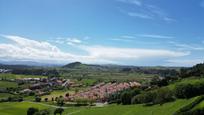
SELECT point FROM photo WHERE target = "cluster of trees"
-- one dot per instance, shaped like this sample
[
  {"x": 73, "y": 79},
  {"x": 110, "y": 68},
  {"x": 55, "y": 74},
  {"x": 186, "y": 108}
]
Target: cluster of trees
[
  {"x": 84, "y": 102},
  {"x": 159, "y": 96},
  {"x": 15, "y": 98},
  {"x": 167, "y": 72},
  {"x": 124, "y": 97},
  {"x": 35, "y": 111},
  {"x": 197, "y": 70},
  {"x": 188, "y": 90}
]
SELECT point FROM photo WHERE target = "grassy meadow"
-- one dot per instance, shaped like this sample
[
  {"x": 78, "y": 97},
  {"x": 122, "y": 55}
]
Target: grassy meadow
[{"x": 11, "y": 108}]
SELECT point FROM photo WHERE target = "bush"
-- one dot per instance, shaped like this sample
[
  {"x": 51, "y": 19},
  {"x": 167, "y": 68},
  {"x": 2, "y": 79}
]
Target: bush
[
  {"x": 184, "y": 90},
  {"x": 32, "y": 111},
  {"x": 158, "y": 96},
  {"x": 126, "y": 98},
  {"x": 163, "y": 95},
  {"x": 37, "y": 99},
  {"x": 58, "y": 110},
  {"x": 147, "y": 97}
]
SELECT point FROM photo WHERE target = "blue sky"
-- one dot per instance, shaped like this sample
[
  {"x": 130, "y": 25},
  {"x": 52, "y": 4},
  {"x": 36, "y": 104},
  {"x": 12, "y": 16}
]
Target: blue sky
[{"x": 128, "y": 32}]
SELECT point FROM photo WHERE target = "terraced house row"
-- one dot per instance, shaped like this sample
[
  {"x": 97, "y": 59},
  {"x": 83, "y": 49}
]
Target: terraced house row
[{"x": 100, "y": 91}]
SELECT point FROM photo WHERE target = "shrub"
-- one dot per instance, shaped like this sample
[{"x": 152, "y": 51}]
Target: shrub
[
  {"x": 58, "y": 110},
  {"x": 185, "y": 91},
  {"x": 158, "y": 96},
  {"x": 32, "y": 111},
  {"x": 37, "y": 99}
]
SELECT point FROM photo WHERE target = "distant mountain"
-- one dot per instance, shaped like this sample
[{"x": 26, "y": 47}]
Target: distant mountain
[
  {"x": 73, "y": 65},
  {"x": 27, "y": 63}
]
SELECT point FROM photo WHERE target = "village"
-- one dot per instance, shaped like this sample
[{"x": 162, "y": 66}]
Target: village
[{"x": 98, "y": 92}]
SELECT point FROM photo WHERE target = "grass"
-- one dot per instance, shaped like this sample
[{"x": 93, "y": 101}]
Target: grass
[
  {"x": 19, "y": 108},
  {"x": 191, "y": 80},
  {"x": 165, "y": 109},
  {"x": 14, "y": 76},
  {"x": 57, "y": 93},
  {"x": 5, "y": 95},
  {"x": 7, "y": 84},
  {"x": 11, "y": 108},
  {"x": 88, "y": 82},
  {"x": 199, "y": 106}
]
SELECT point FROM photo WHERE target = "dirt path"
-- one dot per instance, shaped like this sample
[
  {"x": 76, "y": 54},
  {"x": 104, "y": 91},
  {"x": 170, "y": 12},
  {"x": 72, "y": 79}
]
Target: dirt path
[{"x": 54, "y": 106}]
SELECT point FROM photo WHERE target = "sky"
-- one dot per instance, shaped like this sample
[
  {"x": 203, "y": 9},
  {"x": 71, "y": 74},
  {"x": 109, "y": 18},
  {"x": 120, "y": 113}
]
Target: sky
[{"x": 125, "y": 32}]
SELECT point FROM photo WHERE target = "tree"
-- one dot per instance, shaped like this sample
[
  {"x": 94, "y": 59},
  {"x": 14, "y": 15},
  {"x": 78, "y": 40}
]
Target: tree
[
  {"x": 58, "y": 111},
  {"x": 126, "y": 98},
  {"x": 67, "y": 95},
  {"x": 163, "y": 95},
  {"x": 185, "y": 90},
  {"x": 60, "y": 101},
  {"x": 32, "y": 111},
  {"x": 37, "y": 99},
  {"x": 46, "y": 99}
]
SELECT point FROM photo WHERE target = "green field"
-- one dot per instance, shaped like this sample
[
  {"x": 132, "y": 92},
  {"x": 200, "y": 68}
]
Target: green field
[
  {"x": 5, "y": 95},
  {"x": 199, "y": 106},
  {"x": 7, "y": 84},
  {"x": 166, "y": 109},
  {"x": 18, "y": 108},
  {"x": 57, "y": 93},
  {"x": 191, "y": 80},
  {"x": 14, "y": 76}
]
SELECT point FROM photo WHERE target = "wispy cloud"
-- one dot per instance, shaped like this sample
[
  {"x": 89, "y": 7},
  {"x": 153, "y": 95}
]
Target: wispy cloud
[
  {"x": 183, "y": 46},
  {"x": 135, "y": 2},
  {"x": 130, "y": 53},
  {"x": 146, "y": 11},
  {"x": 139, "y": 15},
  {"x": 27, "y": 49},
  {"x": 155, "y": 36},
  {"x": 121, "y": 39},
  {"x": 127, "y": 37},
  {"x": 73, "y": 41},
  {"x": 69, "y": 41}
]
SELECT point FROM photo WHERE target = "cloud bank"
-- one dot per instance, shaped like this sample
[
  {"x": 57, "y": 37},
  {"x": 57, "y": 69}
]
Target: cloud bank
[{"x": 20, "y": 48}]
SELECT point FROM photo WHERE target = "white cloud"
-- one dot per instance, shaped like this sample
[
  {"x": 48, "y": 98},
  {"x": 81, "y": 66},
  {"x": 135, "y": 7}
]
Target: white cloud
[
  {"x": 155, "y": 36},
  {"x": 144, "y": 10},
  {"x": 73, "y": 40},
  {"x": 140, "y": 15},
  {"x": 120, "y": 39},
  {"x": 69, "y": 41},
  {"x": 183, "y": 46},
  {"x": 135, "y": 2},
  {"x": 128, "y": 37},
  {"x": 130, "y": 53},
  {"x": 26, "y": 49}
]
